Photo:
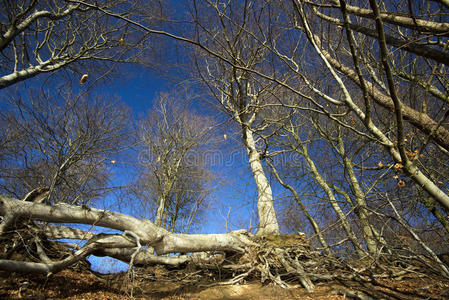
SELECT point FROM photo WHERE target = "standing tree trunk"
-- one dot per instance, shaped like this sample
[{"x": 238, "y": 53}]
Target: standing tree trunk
[
  {"x": 303, "y": 208},
  {"x": 370, "y": 234},
  {"x": 160, "y": 211},
  {"x": 333, "y": 201},
  {"x": 268, "y": 223}
]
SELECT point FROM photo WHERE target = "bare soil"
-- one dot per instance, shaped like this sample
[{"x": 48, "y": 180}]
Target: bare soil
[{"x": 83, "y": 284}]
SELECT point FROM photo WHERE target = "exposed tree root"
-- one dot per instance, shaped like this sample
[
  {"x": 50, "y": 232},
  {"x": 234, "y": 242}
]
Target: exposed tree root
[{"x": 293, "y": 266}]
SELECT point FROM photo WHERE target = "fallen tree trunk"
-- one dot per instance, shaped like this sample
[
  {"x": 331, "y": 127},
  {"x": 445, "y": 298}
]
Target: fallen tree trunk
[
  {"x": 149, "y": 234},
  {"x": 138, "y": 235}
]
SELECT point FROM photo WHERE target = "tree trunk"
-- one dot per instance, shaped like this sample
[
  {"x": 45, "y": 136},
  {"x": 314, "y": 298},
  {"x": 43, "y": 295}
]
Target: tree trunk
[
  {"x": 369, "y": 233},
  {"x": 160, "y": 211},
  {"x": 304, "y": 210},
  {"x": 268, "y": 223},
  {"x": 125, "y": 246},
  {"x": 333, "y": 201}
]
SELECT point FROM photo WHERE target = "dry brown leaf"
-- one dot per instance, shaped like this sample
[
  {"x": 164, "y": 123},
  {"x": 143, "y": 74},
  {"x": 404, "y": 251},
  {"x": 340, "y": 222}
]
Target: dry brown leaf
[
  {"x": 84, "y": 78},
  {"x": 398, "y": 166}
]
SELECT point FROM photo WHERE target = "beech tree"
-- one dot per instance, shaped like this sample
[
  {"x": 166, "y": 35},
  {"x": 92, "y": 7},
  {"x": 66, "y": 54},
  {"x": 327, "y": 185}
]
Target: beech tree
[
  {"x": 351, "y": 98},
  {"x": 44, "y": 36},
  {"x": 174, "y": 179},
  {"x": 383, "y": 90},
  {"x": 267, "y": 65},
  {"x": 64, "y": 145},
  {"x": 232, "y": 32}
]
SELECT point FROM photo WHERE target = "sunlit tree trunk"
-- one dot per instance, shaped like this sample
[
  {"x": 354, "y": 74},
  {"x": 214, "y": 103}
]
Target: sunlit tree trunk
[
  {"x": 160, "y": 211},
  {"x": 268, "y": 223}
]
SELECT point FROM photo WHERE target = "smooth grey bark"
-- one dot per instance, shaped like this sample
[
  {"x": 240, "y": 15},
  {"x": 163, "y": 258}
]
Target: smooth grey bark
[
  {"x": 369, "y": 233},
  {"x": 54, "y": 267},
  {"x": 44, "y": 67},
  {"x": 404, "y": 21},
  {"x": 126, "y": 246},
  {"x": 149, "y": 234},
  {"x": 410, "y": 168},
  {"x": 161, "y": 207},
  {"x": 268, "y": 223},
  {"x": 407, "y": 45},
  {"x": 16, "y": 28},
  {"x": 143, "y": 257},
  {"x": 420, "y": 120}
]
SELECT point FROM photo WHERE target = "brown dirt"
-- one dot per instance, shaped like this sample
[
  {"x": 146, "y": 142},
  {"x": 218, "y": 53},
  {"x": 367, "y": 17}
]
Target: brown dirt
[{"x": 70, "y": 284}]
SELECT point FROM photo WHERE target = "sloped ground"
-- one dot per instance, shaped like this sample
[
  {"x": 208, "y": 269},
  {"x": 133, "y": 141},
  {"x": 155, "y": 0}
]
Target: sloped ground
[
  {"x": 73, "y": 284},
  {"x": 271, "y": 261}
]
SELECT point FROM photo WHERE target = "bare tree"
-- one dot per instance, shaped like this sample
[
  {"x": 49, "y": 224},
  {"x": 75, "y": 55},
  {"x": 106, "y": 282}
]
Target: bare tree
[
  {"x": 44, "y": 36},
  {"x": 359, "y": 105},
  {"x": 372, "y": 89},
  {"x": 240, "y": 94},
  {"x": 283, "y": 49},
  {"x": 136, "y": 233},
  {"x": 175, "y": 179},
  {"x": 64, "y": 144},
  {"x": 303, "y": 209}
]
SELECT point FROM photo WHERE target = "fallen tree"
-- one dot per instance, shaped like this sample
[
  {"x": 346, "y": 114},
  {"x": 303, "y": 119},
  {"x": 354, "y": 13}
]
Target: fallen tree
[
  {"x": 135, "y": 232},
  {"x": 286, "y": 260}
]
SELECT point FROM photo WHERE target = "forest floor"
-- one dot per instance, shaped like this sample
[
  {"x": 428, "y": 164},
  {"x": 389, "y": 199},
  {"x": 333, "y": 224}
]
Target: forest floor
[{"x": 83, "y": 284}]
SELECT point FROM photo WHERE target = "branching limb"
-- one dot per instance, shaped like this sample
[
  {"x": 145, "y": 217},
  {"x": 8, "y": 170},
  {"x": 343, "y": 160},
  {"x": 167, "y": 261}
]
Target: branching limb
[
  {"x": 136, "y": 249},
  {"x": 418, "y": 239},
  {"x": 54, "y": 267}
]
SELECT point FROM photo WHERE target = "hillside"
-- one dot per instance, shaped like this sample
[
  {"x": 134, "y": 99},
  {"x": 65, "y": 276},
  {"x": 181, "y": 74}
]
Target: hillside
[{"x": 160, "y": 283}]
